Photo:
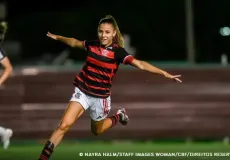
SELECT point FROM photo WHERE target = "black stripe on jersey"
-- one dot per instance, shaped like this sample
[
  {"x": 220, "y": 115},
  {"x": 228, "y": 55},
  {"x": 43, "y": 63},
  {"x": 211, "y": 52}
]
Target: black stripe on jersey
[
  {"x": 106, "y": 70},
  {"x": 99, "y": 76},
  {"x": 92, "y": 74},
  {"x": 94, "y": 83},
  {"x": 101, "y": 58},
  {"x": 96, "y": 91}
]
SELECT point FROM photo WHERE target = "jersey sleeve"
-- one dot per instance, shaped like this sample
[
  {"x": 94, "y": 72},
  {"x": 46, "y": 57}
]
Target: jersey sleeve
[
  {"x": 87, "y": 43},
  {"x": 2, "y": 54},
  {"x": 122, "y": 56}
]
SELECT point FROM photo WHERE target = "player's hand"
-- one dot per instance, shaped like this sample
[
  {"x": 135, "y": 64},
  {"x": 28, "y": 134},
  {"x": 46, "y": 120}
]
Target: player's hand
[
  {"x": 53, "y": 36},
  {"x": 174, "y": 77}
]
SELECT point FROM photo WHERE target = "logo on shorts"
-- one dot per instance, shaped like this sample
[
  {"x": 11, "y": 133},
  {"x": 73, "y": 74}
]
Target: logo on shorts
[
  {"x": 99, "y": 117},
  {"x": 78, "y": 95}
]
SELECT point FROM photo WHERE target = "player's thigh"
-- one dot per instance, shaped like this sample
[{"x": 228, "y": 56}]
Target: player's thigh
[
  {"x": 73, "y": 111},
  {"x": 77, "y": 105},
  {"x": 81, "y": 98}
]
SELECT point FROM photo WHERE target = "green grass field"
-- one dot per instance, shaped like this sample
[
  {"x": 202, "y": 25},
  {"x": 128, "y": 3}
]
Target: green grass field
[{"x": 71, "y": 151}]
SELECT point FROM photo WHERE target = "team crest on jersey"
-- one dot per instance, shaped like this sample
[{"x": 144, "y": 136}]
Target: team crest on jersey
[{"x": 105, "y": 52}]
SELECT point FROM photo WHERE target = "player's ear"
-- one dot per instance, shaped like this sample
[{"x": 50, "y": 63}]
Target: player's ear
[{"x": 114, "y": 33}]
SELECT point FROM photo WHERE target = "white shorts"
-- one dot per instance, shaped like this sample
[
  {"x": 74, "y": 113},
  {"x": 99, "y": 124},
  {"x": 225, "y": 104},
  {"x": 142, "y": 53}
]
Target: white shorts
[{"x": 99, "y": 108}]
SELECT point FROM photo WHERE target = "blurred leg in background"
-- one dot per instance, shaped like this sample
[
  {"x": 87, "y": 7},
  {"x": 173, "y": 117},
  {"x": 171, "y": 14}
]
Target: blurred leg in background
[{"x": 5, "y": 134}]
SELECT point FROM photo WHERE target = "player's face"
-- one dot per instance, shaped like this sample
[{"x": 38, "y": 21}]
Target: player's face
[{"x": 106, "y": 32}]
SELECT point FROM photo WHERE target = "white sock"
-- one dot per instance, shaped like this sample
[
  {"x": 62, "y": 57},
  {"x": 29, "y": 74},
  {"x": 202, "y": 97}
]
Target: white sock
[
  {"x": 2, "y": 131},
  {"x": 6, "y": 144},
  {"x": 5, "y": 136}
]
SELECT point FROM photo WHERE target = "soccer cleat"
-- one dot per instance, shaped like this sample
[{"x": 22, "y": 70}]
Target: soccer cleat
[
  {"x": 123, "y": 116},
  {"x": 6, "y": 138}
]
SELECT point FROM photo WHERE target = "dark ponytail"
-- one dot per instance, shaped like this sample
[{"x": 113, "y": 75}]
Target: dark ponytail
[{"x": 3, "y": 29}]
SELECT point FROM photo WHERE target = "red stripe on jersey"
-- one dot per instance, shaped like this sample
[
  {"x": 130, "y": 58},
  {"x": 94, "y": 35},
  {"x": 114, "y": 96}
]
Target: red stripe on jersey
[
  {"x": 98, "y": 71},
  {"x": 101, "y": 64},
  {"x": 93, "y": 78},
  {"x": 100, "y": 95},
  {"x": 128, "y": 59},
  {"x": 95, "y": 49},
  {"x": 101, "y": 52},
  {"x": 99, "y": 88}
]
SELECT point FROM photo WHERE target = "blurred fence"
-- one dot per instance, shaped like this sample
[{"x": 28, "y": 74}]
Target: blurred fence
[{"x": 32, "y": 105}]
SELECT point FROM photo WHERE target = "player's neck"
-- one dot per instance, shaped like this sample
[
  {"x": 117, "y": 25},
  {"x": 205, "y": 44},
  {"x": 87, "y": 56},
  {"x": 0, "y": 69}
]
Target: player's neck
[{"x": 107, "y": 45}]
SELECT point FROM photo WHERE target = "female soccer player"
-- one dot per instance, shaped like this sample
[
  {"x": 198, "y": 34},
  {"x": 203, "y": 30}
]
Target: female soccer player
[
  {"x": 5, "y": 133},
  {"x": 93, "y": 83}
]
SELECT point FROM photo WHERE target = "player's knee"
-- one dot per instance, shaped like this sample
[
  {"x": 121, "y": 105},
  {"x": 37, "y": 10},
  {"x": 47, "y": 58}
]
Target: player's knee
[{"x": 64, "y": 126}]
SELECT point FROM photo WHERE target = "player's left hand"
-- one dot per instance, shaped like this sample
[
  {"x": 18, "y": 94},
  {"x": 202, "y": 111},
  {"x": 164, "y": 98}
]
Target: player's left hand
[{"x": 174, "y": 77}]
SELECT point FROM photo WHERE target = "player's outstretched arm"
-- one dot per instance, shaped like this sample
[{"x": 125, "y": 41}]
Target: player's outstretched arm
[
  {"x": 150, "y": 68},
  {"x": 5, "y": 62},
  {"x": 72, "y": 42}
]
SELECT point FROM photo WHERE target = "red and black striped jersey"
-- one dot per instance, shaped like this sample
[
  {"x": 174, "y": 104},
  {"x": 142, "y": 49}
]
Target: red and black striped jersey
[{"x": 95, "y": 78}]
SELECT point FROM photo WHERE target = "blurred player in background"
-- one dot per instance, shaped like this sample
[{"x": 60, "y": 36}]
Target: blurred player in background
[
  {"x": 93, "y": 83},
  {"x": 5, "y": 133}
]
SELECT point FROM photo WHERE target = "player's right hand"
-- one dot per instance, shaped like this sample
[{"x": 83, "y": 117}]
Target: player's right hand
[
  {"x": 53, "y": 36},
  {"x": 175, "y": 77}
]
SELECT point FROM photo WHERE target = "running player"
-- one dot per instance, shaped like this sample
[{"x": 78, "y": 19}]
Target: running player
[
  {"x": 5, "y": 133},
  {"x": 94, "y": 82}
]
